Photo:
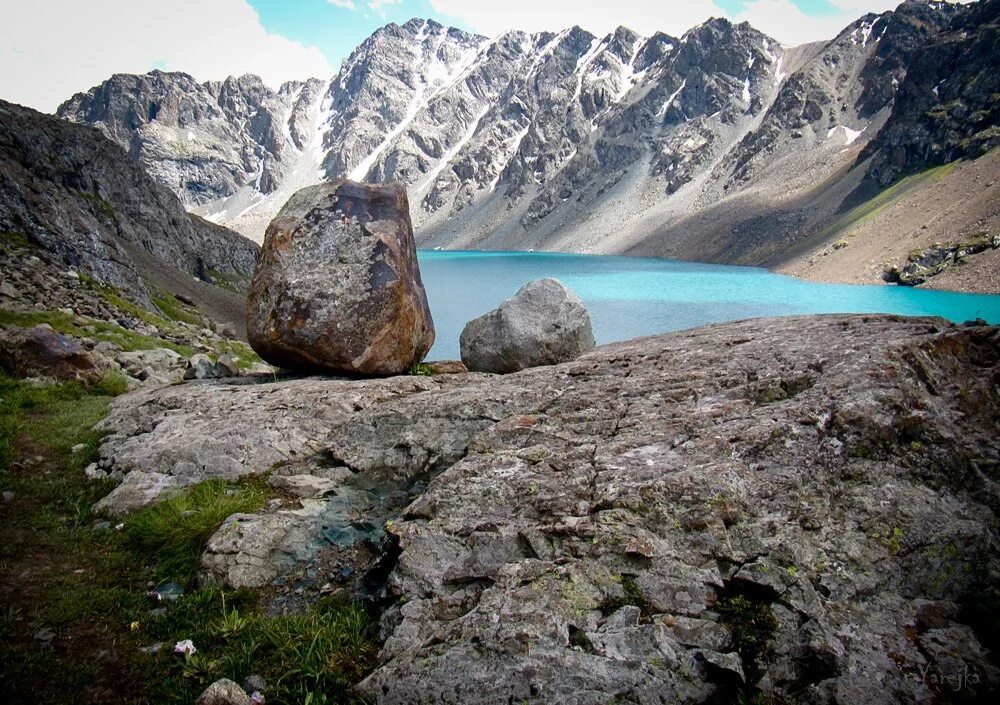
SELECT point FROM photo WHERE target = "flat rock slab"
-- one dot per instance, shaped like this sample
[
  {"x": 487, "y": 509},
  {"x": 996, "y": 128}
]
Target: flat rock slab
[
  {"x": 578, "y": 533},
  {"x": 179, "y": 435}
]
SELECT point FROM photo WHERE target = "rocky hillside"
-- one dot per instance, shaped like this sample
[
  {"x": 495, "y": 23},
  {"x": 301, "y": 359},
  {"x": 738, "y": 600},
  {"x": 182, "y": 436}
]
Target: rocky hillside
[
  {"x": 70, "y": 190},
  {"x": 204, "y": 141},
  {"x": 949, "y": 103},
  {"x": 551, "y": 140},
  {"x": 792, "y": 510}
]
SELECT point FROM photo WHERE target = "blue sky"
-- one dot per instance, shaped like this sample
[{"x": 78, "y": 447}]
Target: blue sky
[
  {"x": 336, "y": 26},
  {"x": 337, "y": 30}
]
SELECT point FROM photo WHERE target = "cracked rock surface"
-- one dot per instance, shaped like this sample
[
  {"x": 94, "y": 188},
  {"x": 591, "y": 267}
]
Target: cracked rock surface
[{"x": 804, "y": 508}]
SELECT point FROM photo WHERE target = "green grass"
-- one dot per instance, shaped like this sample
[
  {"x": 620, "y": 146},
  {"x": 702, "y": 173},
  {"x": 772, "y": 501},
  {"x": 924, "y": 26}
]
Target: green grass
[
  {"x": 752, "y": 625},
  {"x": 116, "y": 298},
  {"x": 230, "y": 282},
  {"x": 175, "y": 309},
  {"x": 174, "y": 532},
  {"x": 243, "y": 353},
  {"x": 59, "y": 415},
  {"x": 419, "y": 369},
  {"x": 92, "y": 328},
  {"x": 105, "y": 208},
  {"x": 872, "y": 207},
  {"x": 318, "y": 655},
  {"x": 990, "y": 133},
  {"x": 89, "y": 585},
  {"x": 14, "y": 240},
  {"x": 632, "y": 594}
]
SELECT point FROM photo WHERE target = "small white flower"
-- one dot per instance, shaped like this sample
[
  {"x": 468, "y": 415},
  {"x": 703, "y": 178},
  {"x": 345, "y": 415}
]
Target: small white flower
[
  {"x": 119, "y": 527},
  {"x": 185, "y": 647}
]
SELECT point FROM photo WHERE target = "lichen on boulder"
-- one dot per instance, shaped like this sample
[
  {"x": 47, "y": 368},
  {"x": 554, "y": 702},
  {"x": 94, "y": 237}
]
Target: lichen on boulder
[{"x": 337, "y": 288}]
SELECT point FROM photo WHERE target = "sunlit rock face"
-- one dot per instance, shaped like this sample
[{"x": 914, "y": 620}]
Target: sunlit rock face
[{"x": 337, "y": 287}]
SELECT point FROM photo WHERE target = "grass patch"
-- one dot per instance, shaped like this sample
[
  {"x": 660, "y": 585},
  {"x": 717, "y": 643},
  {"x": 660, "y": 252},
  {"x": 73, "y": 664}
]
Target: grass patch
[
  {"x": 243, "y": 354},
  {"x": 103, "y": 207},
  {"x": 60, "y": 415},
  {"x": 92, "y": 328},
  {"x": 230, "y": 282},
  {"x": 175, "y": 309},
  {"x": 752, "y": 625},
  {"x": 89, "y": 585},
  {"x": 869, "y": 209},
  {"x": 17, "y": 241},
  {"x": 632, "y": 594},
  {"x": 313, "y": 657},
  {"x": 173, "y": 533},
  {"x": 114, "y": 296},
  {"x": 419, "y": 369}
]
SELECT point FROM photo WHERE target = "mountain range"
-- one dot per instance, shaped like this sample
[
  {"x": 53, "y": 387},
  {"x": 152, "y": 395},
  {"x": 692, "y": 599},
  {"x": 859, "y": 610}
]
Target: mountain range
[{"x": 720, "y": 145}]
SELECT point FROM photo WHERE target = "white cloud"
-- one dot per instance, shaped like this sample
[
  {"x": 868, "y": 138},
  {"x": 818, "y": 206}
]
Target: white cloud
[
  {"x": 373, "y": 5},
  {"x": 51, "y": 49},
  {"x": 597, "y": 16},
  {"x": 863, "y": 6},
  {"x": 784, "y": 21},
  {"x": 379, "y": 5},
  {"x": 781, "y": 19}
]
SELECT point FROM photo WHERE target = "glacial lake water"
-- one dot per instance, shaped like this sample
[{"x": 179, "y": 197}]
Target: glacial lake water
[{"x": 629, "y": 297}]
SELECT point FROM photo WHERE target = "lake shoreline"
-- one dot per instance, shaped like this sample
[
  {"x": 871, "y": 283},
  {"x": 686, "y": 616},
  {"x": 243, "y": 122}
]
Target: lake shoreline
[
  {"x": 980, "y": 276},
  {"x": 630, "y": 297}
]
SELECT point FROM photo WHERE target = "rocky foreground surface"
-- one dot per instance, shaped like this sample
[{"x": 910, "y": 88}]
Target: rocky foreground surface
[{"x": 802, "y": 509}]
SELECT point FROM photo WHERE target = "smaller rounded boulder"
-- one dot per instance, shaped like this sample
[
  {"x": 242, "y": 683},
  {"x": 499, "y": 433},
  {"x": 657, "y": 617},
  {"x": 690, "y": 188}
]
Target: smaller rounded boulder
[
  {"x": 337, "y": 287},
  {"x": 545, "y": 323}
]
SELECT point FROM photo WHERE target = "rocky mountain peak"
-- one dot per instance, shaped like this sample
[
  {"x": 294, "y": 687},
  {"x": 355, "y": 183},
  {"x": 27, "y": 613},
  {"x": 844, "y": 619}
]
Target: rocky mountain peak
[{"x": 522, "y": 139}]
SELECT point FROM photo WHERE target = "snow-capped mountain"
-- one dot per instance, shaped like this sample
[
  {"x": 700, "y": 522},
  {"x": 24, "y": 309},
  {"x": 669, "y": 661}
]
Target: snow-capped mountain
[{"x": 550, "y": 140}]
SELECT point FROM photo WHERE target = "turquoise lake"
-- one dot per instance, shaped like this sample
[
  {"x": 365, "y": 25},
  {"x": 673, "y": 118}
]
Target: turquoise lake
[{"x": 630, "y": 297}]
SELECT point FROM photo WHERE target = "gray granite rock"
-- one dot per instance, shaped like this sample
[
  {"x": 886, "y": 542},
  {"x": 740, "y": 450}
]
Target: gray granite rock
[
  {"x": 610, "y": 528},
  {"x": 223, "y": 692},
  {"x": 544, "y": 323},
  {"x": 200, "y": 366}
]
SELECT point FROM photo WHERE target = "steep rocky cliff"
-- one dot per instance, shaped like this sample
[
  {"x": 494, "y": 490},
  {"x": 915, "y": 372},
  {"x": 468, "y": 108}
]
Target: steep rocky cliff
[
  {"x": 78, "y": 195},
  {"x": 949, "y": 102}
]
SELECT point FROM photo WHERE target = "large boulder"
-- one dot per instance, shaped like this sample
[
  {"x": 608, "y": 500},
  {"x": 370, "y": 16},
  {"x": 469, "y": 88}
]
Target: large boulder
[
  {"x": 545, "y": 323},
  {"x": 337, "y": 287},
  {"x": 43, "y": 352}
]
